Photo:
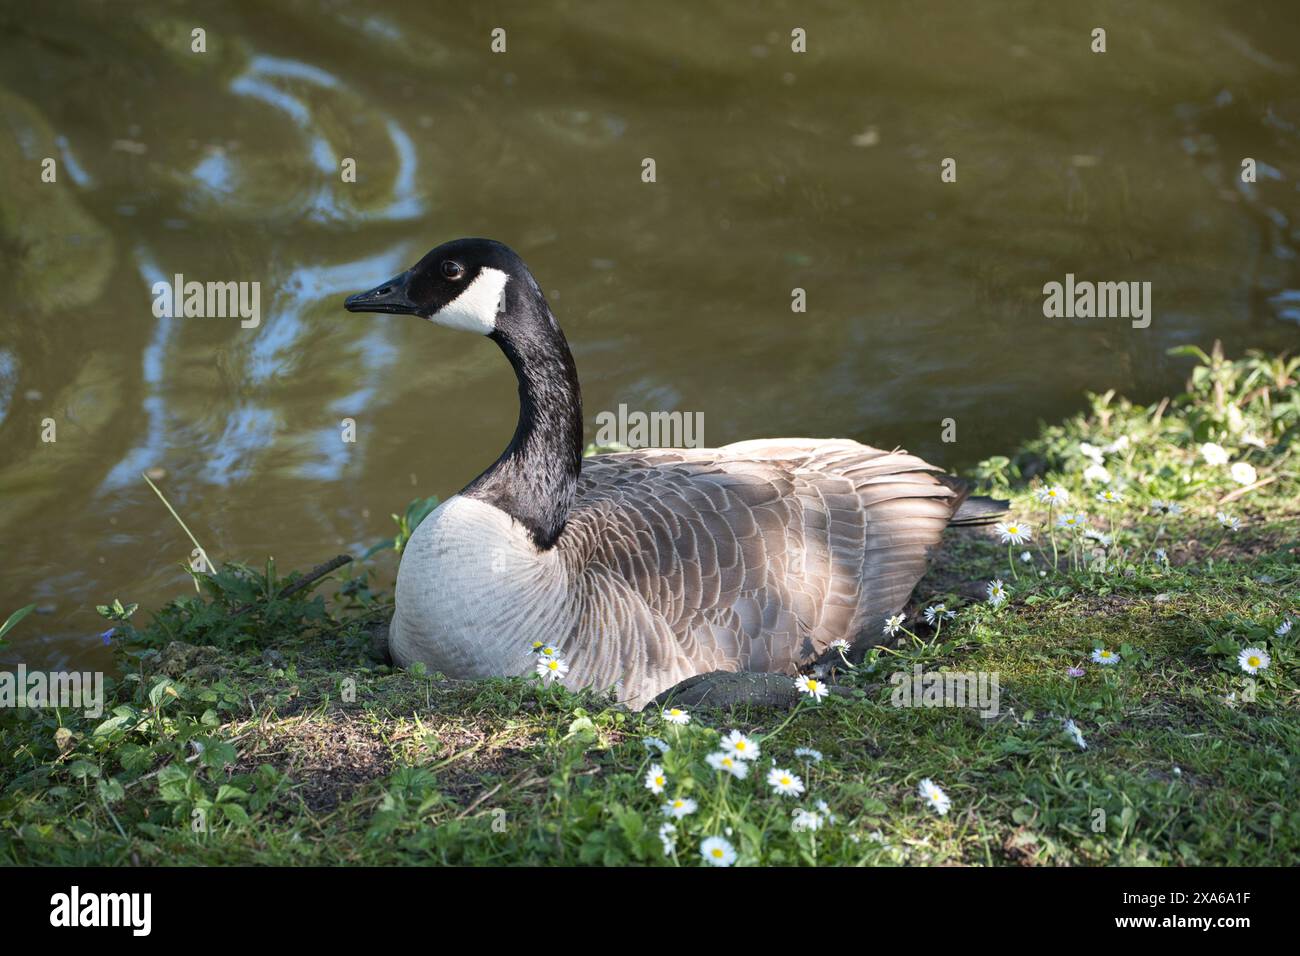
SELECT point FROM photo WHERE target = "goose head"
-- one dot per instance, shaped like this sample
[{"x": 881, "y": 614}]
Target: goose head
[
  {"x": 466, "y": 284},
  {"x": 480, "y": 285}
]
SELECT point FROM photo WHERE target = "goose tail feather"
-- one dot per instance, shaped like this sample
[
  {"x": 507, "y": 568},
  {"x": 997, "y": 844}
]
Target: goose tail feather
[{"x": 979, "y": 510}]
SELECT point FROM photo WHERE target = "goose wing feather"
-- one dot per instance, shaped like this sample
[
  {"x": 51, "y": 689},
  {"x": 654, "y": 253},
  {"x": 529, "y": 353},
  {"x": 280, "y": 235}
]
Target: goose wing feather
[{"x": 753, "y": 556}]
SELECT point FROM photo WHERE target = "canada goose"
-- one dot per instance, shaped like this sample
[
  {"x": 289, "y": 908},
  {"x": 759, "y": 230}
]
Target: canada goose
[{"x": 647, "y": 567}]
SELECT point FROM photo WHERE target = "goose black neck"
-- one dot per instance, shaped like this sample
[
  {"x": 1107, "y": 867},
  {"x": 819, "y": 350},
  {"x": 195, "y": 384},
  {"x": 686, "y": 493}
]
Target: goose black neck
[{"x": 535, "y": 478}]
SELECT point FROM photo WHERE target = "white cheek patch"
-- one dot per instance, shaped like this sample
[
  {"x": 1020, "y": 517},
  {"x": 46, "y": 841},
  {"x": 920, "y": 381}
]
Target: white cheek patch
[{"x": 475, "y": 309}]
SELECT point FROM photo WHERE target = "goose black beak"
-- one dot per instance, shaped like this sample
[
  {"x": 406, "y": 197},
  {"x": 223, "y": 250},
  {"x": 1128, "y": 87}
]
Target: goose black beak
[{"x": 392, "y": 297}]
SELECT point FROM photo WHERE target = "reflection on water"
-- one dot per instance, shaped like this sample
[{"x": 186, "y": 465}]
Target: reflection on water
[{"x": 775, "y": 171}]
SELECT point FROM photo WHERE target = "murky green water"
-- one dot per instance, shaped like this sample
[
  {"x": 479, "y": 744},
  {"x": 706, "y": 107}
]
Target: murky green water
[{"x": 775, "y": 170}]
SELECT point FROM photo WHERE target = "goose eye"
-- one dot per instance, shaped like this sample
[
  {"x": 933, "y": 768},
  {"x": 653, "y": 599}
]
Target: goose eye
[{"x": 452, "y": 270}]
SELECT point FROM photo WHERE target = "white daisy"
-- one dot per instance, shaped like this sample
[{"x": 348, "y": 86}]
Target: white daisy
[
  {"x": 1104, "y": 657},
  {"x": 1162, "y": 556},
  {"x": 675, "y": 715},
  {"x": 997, "y": 593},
  {"x": 893, "y": 624},
  {"x": 1254, "y": 659},
  {"x": 551, "y": 669},
  {"x": 1109, "y": 496},
  {"x": 1072, "y": 731},
  {"x": 668, "y": 837},
  {"x": 1283, "y": 629},
  {"x": 1214, "y": 454},
  {"x": 933, "y": 794},
  {"x": 1053, "y": 494},
  {"x": 727, "y": 763},
  {"x": 784, "y": 783},
  {"x": 654, "y": 743},
  {"x": 1243, "y": 473},
  {"x": 1072, "y": 521},
  {"x": 825, "y": 810},
  {"x": 679, "y": 807},
  {"x": 812, "y": 687},
  {"x": 808, "y": 753},
  {"x": 937, "y": 612},
  {"x": 1228, "y": 521},
  {"x": 840, "y": 644},
  {"x": 547, "y": 650},
  {"x": 1096, "y": 473},
  {"x": 717, "y": 852},
  {"x": 805, "y": 820},
  {"x": 1013, "y": 532},
  {"x": 656, "y": 779},
  {"x": 1099, "y": 536},
  {"x": 738, "y": 745},
  {"x": 1165, "y": 507}
]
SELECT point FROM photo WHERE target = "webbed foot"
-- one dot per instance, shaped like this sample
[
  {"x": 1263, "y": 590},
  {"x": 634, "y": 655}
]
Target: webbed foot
[{"x": 726, "y": 689}]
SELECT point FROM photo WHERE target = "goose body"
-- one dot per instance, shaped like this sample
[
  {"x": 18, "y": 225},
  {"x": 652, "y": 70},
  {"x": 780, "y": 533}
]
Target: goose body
[{"x": 647, "y": 567}]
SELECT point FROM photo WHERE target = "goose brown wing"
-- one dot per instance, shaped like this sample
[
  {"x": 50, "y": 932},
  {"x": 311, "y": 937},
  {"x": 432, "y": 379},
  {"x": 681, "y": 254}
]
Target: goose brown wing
[{"x": 753, "y": 556}]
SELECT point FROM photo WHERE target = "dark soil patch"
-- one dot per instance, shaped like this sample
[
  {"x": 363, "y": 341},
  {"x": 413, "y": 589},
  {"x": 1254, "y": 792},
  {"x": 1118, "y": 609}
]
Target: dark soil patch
[
  {"x": 472, "y": 779},
  {"x": 328, "y": 758}
]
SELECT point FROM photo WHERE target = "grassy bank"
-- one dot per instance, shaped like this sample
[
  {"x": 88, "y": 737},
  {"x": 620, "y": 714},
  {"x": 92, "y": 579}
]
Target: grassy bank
[{"x": 252, "y": 728}]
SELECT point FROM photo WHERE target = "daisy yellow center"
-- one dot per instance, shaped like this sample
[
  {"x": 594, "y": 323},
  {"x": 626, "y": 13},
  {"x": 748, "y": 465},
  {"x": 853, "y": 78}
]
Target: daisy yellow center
[
  {"x": 785, "y": 781},
  {"x": 1105, "y": 653},
  {"x": 552, "y": 665},
  {"x": 1253, "y": 661},
  {"x": 1013, "y": 529},
  {"x": 659, "y": 780},
  {"x": 716, "y": 852},
  {"x": 812, "y": 685},
  {"x": 740, "y": 745}
]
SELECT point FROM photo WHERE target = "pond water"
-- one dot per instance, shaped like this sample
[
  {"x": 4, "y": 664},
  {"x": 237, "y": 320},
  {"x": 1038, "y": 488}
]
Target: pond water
[{"x": 774, "y": 170}]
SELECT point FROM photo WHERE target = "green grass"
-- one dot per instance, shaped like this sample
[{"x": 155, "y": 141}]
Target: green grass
[{"x": 275, "y": 736}]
